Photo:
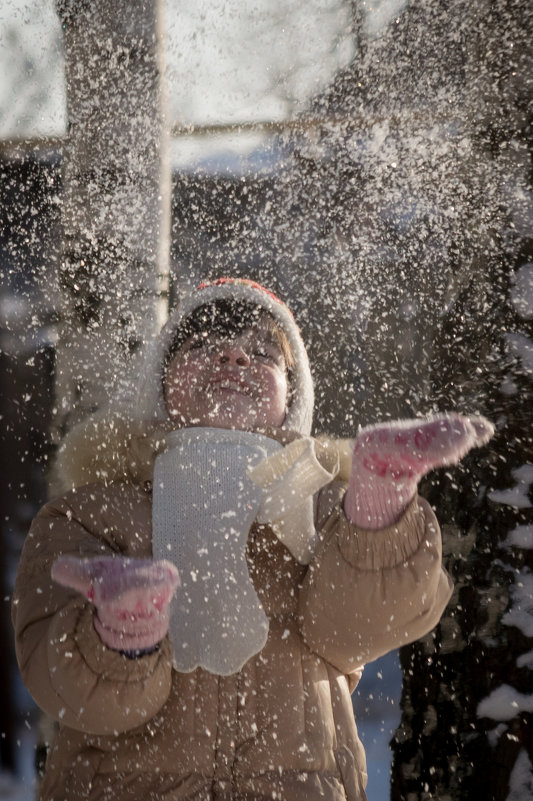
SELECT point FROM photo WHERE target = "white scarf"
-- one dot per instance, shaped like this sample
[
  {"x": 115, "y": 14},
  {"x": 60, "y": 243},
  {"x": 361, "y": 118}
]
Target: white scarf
[{"x": 209, "y": 487}]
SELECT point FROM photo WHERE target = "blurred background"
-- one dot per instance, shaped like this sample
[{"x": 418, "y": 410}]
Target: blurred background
[{"x": 371, "y": 163}]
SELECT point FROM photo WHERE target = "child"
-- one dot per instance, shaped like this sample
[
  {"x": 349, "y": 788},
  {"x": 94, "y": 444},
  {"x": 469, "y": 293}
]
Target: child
[{"x": 236, "y": 683}]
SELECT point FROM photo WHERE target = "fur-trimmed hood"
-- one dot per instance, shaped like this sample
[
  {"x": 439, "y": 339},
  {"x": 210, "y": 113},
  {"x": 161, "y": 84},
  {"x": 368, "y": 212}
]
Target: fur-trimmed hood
[{"x": 110, "y": 446}]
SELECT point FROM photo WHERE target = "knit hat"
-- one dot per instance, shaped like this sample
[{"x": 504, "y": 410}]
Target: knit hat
[{"x": 150, "y": 401}]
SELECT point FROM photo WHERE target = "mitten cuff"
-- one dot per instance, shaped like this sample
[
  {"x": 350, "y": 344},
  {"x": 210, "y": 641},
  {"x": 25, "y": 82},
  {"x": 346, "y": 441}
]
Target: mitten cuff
[
  {"x": 377, "y": 504},
  {"x": 117, "y": 639},
  {"x": 390, "y": 546}
]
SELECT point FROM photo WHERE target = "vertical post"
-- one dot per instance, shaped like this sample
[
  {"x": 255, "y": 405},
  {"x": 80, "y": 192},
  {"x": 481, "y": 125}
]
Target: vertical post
[{"x": 116, "y": 198}]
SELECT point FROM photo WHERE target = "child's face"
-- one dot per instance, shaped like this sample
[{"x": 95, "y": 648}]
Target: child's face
[{"x": 238, "y": 382}]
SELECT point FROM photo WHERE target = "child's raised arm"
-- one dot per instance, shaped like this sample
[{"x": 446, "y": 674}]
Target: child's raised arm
[{"x": 376, "y": 581}]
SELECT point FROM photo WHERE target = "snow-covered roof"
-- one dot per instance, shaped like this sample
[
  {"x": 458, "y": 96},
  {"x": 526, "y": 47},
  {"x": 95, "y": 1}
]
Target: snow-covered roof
[{"x": 227, "y": 62}]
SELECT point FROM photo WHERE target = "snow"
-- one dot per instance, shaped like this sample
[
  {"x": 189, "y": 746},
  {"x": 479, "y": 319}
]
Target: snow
[
  {"x": 504, "y": 703},
  {"x": 376, "y": 703},
  {"x": 251, "y": 62},
  {"x": 525, "y": 660},
  {"x": 516, "y": 496},
  {"x": 215, "y": 95},
  {"x": 521, "y": 612},
  {"x": 522, "y": 291},
  {"x": 520, "y": 537},
  {"x": 226, "y": 61},
  {"x": 21, "y": 786},
  {"x": 521, "y": 346},
  {"x": 232, "y": 153},
  {"x": 508, "y": 387},
  {"x": 375, "y": 737},
  {"x": 261, "y": 62},
  {"x": 521, "y": 781},
  {"x": 32, "y": 87},
  {"x": 379, "y": 13},
  {"x": 494, "y": 735},
  {"x": 13, "y": 790}
]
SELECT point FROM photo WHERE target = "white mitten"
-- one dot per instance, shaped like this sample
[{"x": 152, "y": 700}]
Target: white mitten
[{"x": 289, "y": 480}]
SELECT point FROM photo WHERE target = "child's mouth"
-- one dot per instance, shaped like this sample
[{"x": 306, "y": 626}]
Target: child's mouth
[{"x": 228, "y": 385}]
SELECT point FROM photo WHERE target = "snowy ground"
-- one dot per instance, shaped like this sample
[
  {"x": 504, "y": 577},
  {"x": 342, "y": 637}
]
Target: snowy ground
[
  {"x": 13, "y": 790},
  {"x": 377, "y": 706},
  {"x": 376, "y": 702}
]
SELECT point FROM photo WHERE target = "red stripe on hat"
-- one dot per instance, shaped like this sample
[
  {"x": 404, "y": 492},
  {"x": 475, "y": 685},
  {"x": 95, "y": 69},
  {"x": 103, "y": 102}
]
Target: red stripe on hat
[{"x": 242, "y": 281}]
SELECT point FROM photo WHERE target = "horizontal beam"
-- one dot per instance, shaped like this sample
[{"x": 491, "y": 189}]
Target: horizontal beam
[{"x": 18, "y": 148}]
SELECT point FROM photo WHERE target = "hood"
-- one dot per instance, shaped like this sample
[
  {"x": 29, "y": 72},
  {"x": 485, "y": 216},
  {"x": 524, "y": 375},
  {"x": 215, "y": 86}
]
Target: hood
[{"x": 150, "y": 402}]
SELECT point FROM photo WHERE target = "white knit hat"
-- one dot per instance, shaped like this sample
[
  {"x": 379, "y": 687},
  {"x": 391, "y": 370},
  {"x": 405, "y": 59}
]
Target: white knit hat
[{"x": 150, "y": 401}]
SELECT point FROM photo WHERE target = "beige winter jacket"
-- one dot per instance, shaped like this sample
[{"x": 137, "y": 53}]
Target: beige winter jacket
[{"x": 282, "y": 727}]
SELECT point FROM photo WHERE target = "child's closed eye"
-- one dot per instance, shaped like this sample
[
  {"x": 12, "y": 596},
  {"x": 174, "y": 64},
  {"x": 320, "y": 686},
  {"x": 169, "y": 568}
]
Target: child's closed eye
[
  {"x": 269, "y": 356},
  {"x": 196, "y": 343}
]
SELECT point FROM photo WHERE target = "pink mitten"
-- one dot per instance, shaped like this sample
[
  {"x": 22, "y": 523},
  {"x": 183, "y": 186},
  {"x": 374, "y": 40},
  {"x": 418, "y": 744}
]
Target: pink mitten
[
  {"x": 389, "y": 459},
  {"x": 131, "y": 596}
]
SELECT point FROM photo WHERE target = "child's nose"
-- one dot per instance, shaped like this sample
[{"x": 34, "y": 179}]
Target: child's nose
[{"x": 233, "y": 353}]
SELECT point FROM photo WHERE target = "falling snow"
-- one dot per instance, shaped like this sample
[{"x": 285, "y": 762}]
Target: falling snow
[{"x": 370, "y": 163}]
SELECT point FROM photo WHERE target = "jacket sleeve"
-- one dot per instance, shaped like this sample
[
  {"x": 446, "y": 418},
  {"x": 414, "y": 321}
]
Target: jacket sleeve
[
  {"x": 69, "y": 672},
  {"x": 368, "y": 592}
]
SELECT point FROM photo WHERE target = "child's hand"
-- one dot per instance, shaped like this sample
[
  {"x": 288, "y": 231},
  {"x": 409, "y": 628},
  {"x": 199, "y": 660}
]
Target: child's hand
[
  {"x": 131, "y": 596},
  {"x": 389, "y": 459}
]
